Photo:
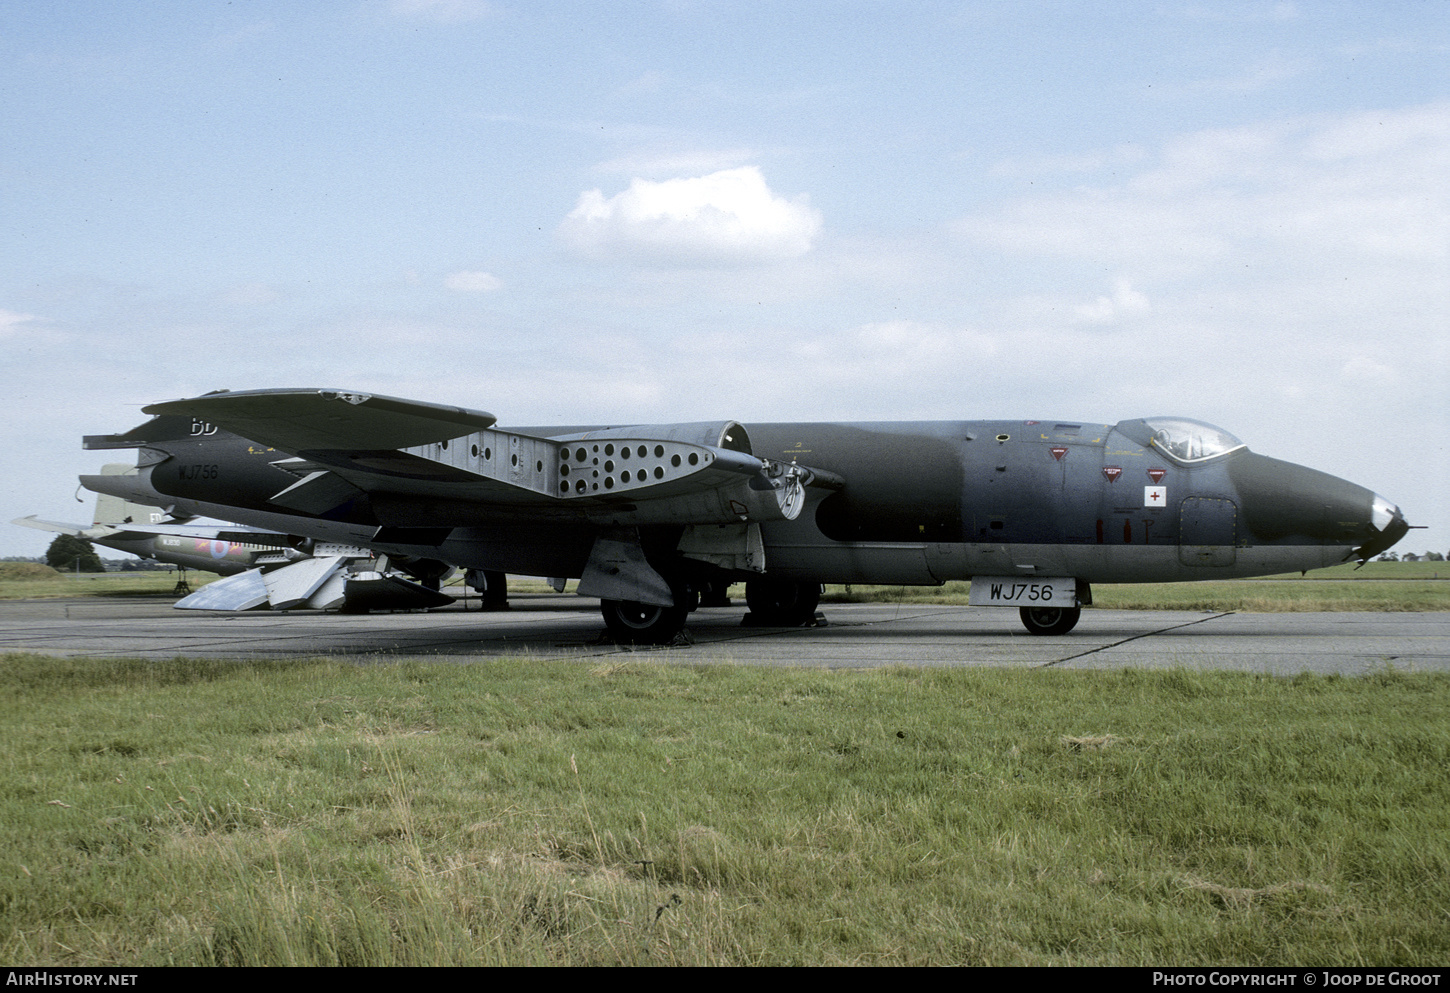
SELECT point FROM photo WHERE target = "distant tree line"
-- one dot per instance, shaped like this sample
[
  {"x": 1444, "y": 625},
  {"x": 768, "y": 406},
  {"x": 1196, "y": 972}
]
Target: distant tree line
[
  {"x": 138, "y": 565},
  {"x": 67, "y": 553}
]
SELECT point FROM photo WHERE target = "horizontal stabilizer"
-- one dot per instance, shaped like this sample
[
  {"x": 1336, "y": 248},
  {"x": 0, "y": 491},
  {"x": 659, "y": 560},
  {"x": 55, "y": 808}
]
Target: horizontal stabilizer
[
  {"x": 35, "y": 522},
  {"x": 296, "y": 420},
  {"x": 126, "y": 531}
]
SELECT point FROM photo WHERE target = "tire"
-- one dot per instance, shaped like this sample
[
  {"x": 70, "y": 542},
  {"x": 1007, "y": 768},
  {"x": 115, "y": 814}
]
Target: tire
[
  {"x": 632, "y": 623},
  {"x": 781, "y": 602},
  {"x": 1050, "y": 620}
]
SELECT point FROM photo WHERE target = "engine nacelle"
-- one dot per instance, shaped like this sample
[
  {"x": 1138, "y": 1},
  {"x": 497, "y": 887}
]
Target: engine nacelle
[
  {"x": 699, "y": 473},
  {"x": 729, "y": 435},
  {"x": 775, "y": 493}
]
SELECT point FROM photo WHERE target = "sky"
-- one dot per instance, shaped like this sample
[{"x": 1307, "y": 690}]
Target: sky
[{"x": 641, "y": 212}]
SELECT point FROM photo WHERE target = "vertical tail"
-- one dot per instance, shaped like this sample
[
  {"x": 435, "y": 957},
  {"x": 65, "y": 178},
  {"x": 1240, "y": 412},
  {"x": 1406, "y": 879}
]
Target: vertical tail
[{"x": 116, "y": 511}]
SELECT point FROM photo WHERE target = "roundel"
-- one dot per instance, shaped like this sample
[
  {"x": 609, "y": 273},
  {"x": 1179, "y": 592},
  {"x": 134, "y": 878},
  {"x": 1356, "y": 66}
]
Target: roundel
[{"x": 219, "y": 549}]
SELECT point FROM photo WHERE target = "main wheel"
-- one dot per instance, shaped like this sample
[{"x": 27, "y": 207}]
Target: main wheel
[
  {"x": 1050, "y": 620},
  {"x": 781, "y": 602},
  {"x": 633, "y": 623}
]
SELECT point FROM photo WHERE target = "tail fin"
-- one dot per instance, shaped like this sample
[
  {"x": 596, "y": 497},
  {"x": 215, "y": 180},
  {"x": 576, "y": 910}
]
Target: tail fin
[{"x": 116, "y": 511}]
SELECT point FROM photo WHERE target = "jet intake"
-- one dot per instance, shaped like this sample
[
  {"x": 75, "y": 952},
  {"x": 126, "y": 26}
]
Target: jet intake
[{"x": 729, "y": 435}]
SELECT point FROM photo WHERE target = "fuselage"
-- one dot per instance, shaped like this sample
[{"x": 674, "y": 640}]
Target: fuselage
[
  {"x": 225, "y": 558},
  {"x": 926, "y": 503},
  {"x": 1156, "y": 500}
]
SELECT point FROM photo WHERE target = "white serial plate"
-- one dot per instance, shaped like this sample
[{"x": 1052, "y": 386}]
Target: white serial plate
[{"x": 1020, "y": 591}]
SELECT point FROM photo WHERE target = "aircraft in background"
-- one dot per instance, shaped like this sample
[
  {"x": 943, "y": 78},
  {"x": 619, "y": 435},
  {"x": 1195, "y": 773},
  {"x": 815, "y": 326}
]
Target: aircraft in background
[
  {"x": 263, "y": 567},
  {"x": 1032, "y": 512}
]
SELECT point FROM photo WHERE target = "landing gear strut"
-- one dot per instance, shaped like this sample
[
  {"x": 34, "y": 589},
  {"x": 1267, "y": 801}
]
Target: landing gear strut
[
  {"x": 1050, "y": 620},
  {"x": 492, "y": 587}
]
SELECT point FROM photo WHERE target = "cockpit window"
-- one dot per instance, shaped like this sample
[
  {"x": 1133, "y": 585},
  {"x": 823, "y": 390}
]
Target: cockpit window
[{"x": 1187, "y": 440}]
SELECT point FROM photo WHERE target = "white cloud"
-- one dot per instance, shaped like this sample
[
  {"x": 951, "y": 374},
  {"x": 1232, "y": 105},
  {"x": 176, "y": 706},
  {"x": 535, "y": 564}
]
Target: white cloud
[
  {"x": 677, "y": 163},
  {"x": 1312, "y": 196},
  {"x": 1125, "y": 300},
  {"x": 473, "y": 282},
  {"x": 1362, "y": 371},
  {"x": 726, "y": 218},
  {"x": 10, "y": 322}
]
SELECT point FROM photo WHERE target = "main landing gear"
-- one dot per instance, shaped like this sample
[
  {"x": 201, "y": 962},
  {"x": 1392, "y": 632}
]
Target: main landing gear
[
  {"x": 1050, "y": 620},
  {"x": 632, "y": 623},
  {"x": 772, "y": 602},
  {"x": 781, "y": 602}
]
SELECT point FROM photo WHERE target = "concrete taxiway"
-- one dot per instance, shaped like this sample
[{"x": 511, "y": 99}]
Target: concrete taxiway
[{"x": 855, "y": 636}]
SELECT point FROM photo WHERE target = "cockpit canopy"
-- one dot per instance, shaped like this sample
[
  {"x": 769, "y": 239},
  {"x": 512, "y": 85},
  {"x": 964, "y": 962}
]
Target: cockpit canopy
[{"x": 1187, "y": 441}]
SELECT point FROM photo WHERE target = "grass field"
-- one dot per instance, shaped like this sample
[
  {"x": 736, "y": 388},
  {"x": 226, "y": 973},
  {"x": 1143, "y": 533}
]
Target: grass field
[
  {"x": 31, "y": 583},
  {"x": 531, "y": 812},
  {"x": 1377, "y": 586}
]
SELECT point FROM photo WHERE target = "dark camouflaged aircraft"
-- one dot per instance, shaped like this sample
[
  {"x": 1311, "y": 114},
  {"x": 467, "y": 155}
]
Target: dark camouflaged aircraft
[{"x": 648, "y": 517}]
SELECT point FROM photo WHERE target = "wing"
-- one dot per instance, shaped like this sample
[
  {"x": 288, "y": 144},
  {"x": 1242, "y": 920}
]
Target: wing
[
  {"x": 300, "y": 419},
  {"x": 428, "y": 465}
]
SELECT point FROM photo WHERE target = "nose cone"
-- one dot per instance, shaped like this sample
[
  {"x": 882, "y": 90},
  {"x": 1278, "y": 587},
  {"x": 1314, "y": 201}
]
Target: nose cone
[
  {"x": 1284, "y": 503},
  {"x": 1389, "y": 526}
]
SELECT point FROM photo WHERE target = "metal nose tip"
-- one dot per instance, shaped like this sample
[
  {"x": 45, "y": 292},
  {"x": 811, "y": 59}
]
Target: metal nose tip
[
  {"x": 1386, "y": 518},
  {"x": 1383, "y": 513}
]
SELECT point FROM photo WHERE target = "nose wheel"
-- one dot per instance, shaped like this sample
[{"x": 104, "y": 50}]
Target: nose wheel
[{"x": 1050, "y": 620}]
